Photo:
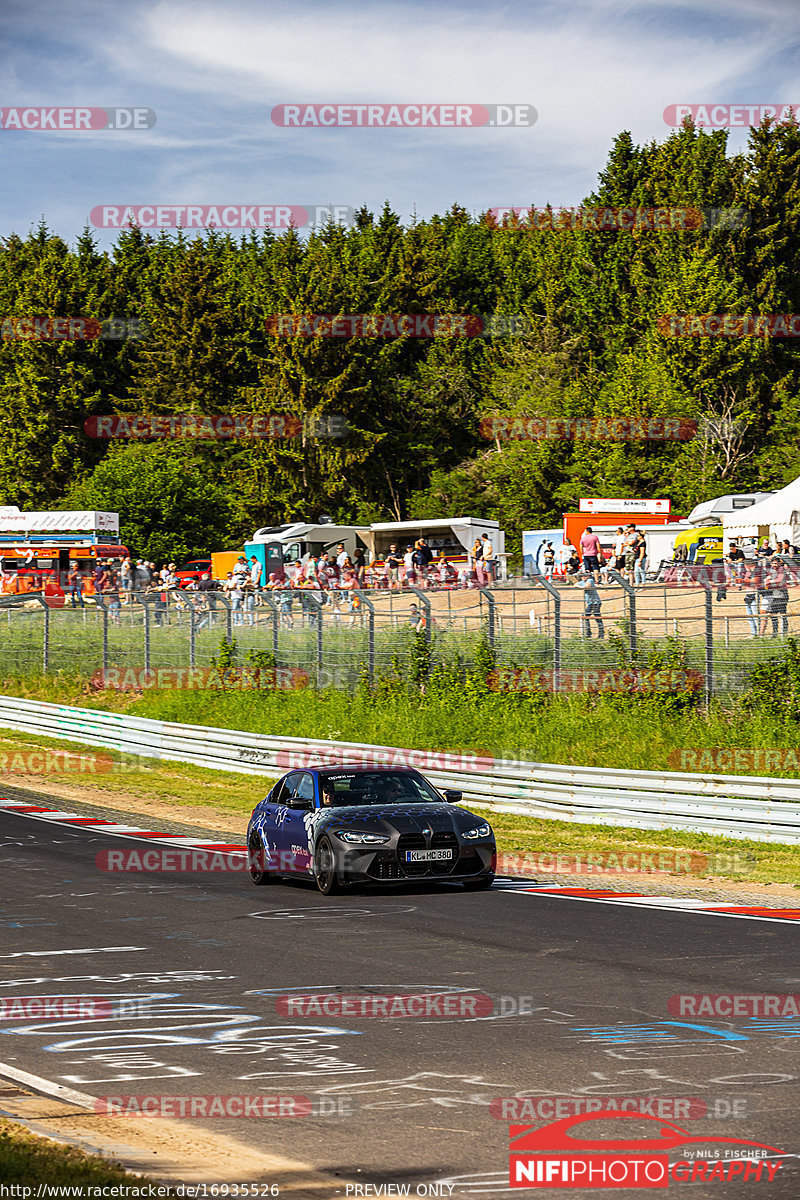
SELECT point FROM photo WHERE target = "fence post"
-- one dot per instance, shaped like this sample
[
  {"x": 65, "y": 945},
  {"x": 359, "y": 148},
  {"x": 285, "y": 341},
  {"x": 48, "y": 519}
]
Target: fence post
[
  {"x": 275, "y": 614},
  {"x": 709, "y": 642},
  {"x": 370, "y": 636},
  {"x": 146, "y": 609},
  {"x": 313, "y": 605},
  {"x": 631, "y": 594},
  {"x": 105, "y": 637},
  {"x": 426, "y": 604},
  {"x": 540, "y": 581},
  {"x": 192, "y": 638},
  {"x": 486, "y": 595},
  {"x": 45, "y": 634}
]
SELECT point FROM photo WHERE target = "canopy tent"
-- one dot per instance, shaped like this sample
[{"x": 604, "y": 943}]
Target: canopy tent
[{"x": 775, "y": 518}]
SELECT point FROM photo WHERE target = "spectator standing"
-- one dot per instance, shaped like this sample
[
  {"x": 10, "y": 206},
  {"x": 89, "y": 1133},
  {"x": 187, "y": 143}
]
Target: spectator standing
[
  {"x": 734, "y": 564},
  {"x": 591, "y": 608},
  {"x": 236, "y": 594},
  {"x": 751, "y": 608},
  {"x": 75, "y": 585},
  {"x": 255, "y": 572},
  {"x": 341, "y": 556},
  {"x": 488, "y": 559},
  {"x": 126, "y": 577},
  {"x": 100, "y": 577},
  {"x": 111, "y": 597},
  {"x": 629, "y": 544},
  {"x": 619, "y": 549},
  {"x": 780, "y": 597},
  {"x": 590, "y": 549},
  {"x": 408, "y": 566},
  {"x": 549, "y": 560},
  {"x": 360, "y": 566},
  {"x": 393, "y": 563},
  {"x": 477, "y": 562},
  {"x": 640, "y": 559},
  {"x": 249, "y": 590}
]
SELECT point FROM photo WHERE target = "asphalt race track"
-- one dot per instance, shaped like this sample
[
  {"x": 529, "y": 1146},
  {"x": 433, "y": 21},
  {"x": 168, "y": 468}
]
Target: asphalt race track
[{"x": 203, "y": 959}]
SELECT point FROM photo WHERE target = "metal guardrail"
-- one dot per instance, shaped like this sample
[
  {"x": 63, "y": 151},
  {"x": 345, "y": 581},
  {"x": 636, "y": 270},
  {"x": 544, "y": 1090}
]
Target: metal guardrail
[{"x": 758, "y": 808}]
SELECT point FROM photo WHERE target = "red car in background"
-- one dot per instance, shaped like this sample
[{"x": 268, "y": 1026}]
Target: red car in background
[{"x": 196, "y": 568}]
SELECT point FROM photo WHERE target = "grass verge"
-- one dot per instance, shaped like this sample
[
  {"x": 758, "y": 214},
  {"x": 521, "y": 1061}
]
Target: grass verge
[{"x": 206, "y": 796}]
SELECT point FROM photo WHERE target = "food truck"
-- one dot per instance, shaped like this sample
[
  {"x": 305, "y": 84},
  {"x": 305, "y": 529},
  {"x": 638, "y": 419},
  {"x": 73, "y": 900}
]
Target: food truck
[
  {"x": 37, "y": 548},
  {"x": 282, "y": 548},
  {"x": 448, "y": 537}
]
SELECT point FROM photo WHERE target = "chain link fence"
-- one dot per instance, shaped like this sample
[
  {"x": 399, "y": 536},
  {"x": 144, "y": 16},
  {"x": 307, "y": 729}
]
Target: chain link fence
[{"x": 561, "y": 636}]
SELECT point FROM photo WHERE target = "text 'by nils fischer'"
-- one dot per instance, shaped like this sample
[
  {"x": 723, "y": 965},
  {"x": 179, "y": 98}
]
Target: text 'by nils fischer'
[{"x": 403, "y": 1004}]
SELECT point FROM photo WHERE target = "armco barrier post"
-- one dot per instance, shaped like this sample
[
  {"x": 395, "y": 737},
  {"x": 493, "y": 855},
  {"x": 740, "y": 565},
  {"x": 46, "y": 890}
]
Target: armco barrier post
[
  {"x": 631, "y": 594},
  {"x": 540, "y": 581}
]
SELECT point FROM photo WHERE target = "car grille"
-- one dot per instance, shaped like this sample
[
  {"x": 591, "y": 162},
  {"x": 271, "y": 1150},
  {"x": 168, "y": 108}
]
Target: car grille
[{"x": 415, "y": 841}]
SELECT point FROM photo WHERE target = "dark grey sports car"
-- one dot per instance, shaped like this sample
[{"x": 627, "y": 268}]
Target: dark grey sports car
[{"x": 359, "y": 824}]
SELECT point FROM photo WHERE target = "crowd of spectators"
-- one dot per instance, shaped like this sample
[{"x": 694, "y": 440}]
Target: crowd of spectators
[{"x": 333, "y": 575}]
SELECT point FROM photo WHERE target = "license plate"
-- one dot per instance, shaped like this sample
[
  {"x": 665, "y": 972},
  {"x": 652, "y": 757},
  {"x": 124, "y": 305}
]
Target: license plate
[{"x": 428, "y": 855}]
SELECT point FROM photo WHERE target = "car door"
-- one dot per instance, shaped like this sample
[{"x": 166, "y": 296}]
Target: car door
[
  {"x": 295, "y": 826},
  {"x": 270, "y": 819}
]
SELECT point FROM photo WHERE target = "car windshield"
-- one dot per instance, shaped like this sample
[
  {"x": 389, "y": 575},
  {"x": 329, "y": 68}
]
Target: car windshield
[{"x": 380, "y": 787}]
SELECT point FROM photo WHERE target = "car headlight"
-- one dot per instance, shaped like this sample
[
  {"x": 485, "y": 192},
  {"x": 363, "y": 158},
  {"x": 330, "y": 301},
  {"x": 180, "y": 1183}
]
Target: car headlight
[
  {"x": 363, "y": 839},
  {"x": 480, "y": 831}
]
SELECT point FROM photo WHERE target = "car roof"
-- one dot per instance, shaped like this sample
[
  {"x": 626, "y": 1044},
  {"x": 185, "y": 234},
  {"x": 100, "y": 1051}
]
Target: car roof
[{"x": 357, "y": 768}]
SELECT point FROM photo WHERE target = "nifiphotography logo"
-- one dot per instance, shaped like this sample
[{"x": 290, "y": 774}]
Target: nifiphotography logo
[{"x": 552, "y": 1157}]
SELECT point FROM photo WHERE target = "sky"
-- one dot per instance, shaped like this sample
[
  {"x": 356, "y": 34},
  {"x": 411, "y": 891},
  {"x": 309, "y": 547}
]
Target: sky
[{"x": 213, "y": 74}]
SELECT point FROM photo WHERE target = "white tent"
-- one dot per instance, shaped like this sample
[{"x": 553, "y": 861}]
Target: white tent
[{"x": 775, "y": 518}]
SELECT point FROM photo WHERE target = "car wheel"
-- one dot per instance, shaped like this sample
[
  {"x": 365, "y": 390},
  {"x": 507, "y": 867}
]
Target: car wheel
[
  {"x": 325, "y": 869},
  {"x": 256, "y": 856},
  {"x": 478, "y": 885}
]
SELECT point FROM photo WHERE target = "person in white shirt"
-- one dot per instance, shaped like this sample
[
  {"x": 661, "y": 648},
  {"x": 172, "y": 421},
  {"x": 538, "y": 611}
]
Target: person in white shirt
[
  {"x": 341, "y": 555},
  {"x": 488, "y": 558},
  {"x": 255, "y": 571},
  {"x": 408, "y": 564}
]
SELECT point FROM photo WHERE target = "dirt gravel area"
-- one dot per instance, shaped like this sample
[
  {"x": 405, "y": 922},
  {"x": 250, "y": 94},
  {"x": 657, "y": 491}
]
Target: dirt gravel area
[{"x": 168, "y": 1151}]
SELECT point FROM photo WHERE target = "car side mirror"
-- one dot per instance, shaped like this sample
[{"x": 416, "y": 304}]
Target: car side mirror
[
  {"x": 299, "y": 802},
  {"x": 452, "y": 796}
]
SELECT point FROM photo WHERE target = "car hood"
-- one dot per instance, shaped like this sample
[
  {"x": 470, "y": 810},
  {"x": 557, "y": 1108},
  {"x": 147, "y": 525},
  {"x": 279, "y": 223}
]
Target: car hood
[{"x": 403, "y": 818}]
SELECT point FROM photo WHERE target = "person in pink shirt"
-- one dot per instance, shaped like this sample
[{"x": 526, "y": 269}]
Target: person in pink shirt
[{"x": 590, "y": 553}]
